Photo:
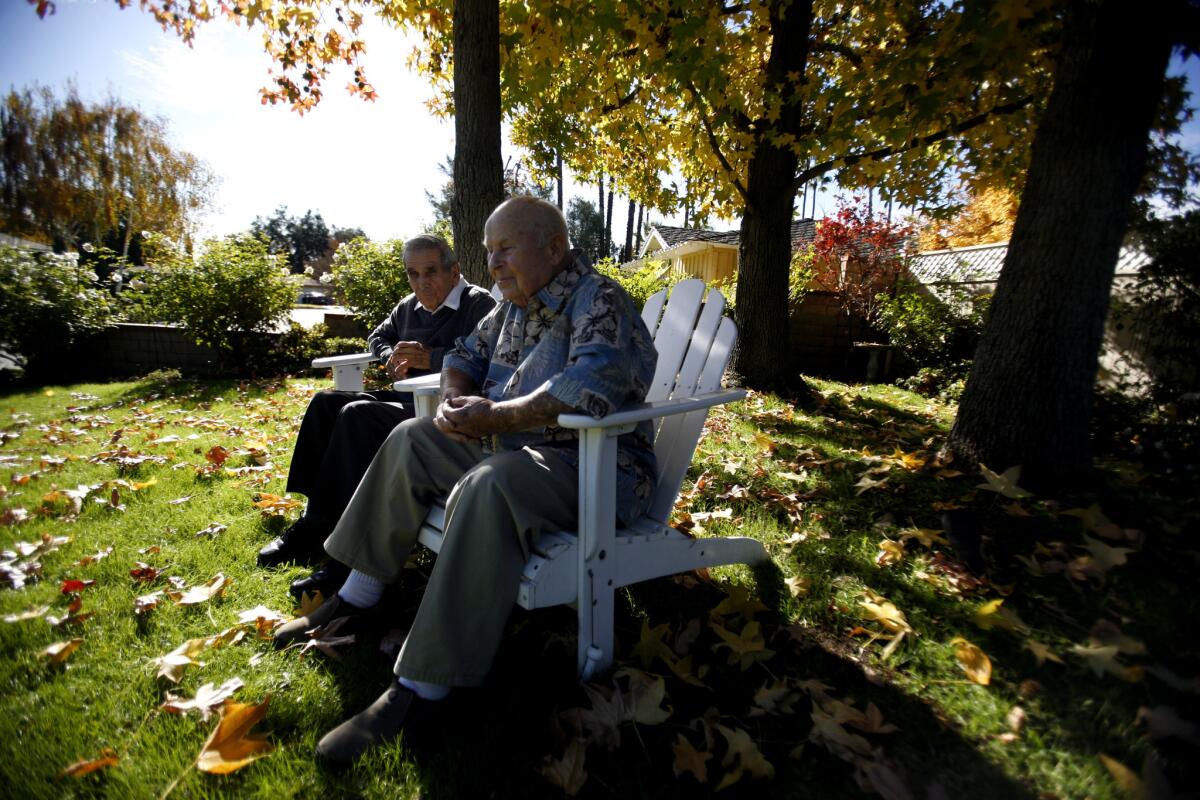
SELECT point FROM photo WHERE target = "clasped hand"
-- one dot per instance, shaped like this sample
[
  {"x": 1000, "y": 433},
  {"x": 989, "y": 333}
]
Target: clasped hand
[{"x": 466, "y": 418}]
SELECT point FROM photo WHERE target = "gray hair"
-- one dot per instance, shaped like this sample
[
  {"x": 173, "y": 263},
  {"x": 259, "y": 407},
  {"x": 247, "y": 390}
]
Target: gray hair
[
  {"x": 539, "y": 216},
  {"x": 430, "y": 242}
]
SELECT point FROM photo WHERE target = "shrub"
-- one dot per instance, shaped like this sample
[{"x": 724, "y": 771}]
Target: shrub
[
  {"x": 936, "y": 335},
  {"x": 48, "y": 303},
  {"x": 641, "y": 283},
  {"x": 226, "y": 299},
  {"x": 371, "y": 278}
]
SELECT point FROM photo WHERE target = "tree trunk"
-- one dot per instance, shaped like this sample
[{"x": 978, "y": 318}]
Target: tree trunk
[
  {"x": 600, "y": 204},
  {"x": 559, "y": 167},
  {"x": 608, "y": 221},
  {"x": 478, "y": 169},
  {"x": 763, "y": 356},
  {"x": 627, "y": 253},
  {"x": 1028, "y": 398},
  {"x": 637, "y": 247}
]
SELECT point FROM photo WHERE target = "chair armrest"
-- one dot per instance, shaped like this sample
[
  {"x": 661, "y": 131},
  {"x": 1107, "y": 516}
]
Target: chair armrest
[
  {"x": 421, "y": 385},
  {"x": 341, "y": 361},
  {"x": 645, "y": 411}
]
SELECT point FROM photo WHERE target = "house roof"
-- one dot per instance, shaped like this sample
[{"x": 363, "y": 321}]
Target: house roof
[
  {"x": 982, "y": 263},
  {"x": 803, "y": 232},
  {"x": 23, "y": 244}
]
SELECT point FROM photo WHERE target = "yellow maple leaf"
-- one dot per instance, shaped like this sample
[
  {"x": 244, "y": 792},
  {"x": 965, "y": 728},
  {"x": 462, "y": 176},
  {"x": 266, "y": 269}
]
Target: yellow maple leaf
[
  {"x": 1004, "y": 483},
  {"x": 744, "y": 648},
  {"x": 689, "y": 759},
  {"x": 890, "y": 552},
  {"x": 884, "y": 612},
  {"x": 108, "y": 758},
  {"x": 200, "y": 594},
  {"x": 1041, "y": 652},
  {"x": 973, "y": 661},
  {"x": 231, "y": 746},
  {"x": 568, "y": 773},
  {"x": 749, "y": 759}
]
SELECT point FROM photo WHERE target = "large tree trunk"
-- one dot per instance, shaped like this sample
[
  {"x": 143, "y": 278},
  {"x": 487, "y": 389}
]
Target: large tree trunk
[
  {"x": 478, "y": 170},
  {"x": 608, "y": 221},
  {"x": 763, "y": 357},
  {"x": 1028, "y": 398},
  {"x": 627, "y": 253}
]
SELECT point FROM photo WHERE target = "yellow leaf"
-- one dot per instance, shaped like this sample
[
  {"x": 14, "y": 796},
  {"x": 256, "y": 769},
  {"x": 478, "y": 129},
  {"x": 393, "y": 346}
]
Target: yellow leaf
[
  {"x": 882, "y": 611},
  {"x": 1041, "y": 652},
  {"x": 108, "y": 758},
  {"x": 799, "y": 585},
  {"x": 973, "y": 661},
  {"x": 890, "y": 552},
  {"x": 928, "y": 537},
  {"x": 689, "y": 759},
  {"x": 1126, "y": 778},
  {"x": 200, "y": 594},
  {"x": 992, "y": 615},
  {"x": 745, "y": 752},
  {"x": 568, "y": 772},
  {"x": 765, "y": 443},
  {"x": 739, "y": 601},
  {"x": 231, "y": 745},
  {"x": 59, "y": 652},
  {"x": 744, "y": 648},
  {"x": 309, "y": 602},
  {"x": 137, "y": 487}
]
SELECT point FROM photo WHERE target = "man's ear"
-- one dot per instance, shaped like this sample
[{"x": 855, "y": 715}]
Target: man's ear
[
  {"x": 455, "y": 272},
  {"x": 558, "y": 247}
]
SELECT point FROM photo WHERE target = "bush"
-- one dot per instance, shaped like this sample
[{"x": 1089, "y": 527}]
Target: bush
[
  {"x": 47, "y": 303},
  {"x": 371, "y": 278},
  {"x": 936, "y": 336},
  {"x": 641, "y": 283},
  {"x": 227, "y": 299}
]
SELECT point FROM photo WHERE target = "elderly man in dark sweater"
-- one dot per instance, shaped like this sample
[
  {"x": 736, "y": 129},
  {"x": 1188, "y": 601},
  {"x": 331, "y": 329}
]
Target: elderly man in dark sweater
[{"x": 342, "y": 431}]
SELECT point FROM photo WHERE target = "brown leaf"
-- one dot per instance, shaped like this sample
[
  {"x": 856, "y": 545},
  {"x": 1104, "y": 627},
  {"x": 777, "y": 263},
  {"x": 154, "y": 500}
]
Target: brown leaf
[
  {"x": 147, "y": 602},
  {"x": 171, "y": 665},
  {"x": 1041, "y": 652},
  {"x": 309, "y": 603},
  {"x": 568, "y": 773},
  {"x": 206, "y": 700},
  {"x": 890, "y": 552},
  {"x": 57, "y": 653},
  {"x": 689, "y": 759},
  {"x": 1015, "y": 719},
  {"x": 143, "y": 572},
  {"x": 108, "y": 758},
  {"x": 1126, "y": 778},
  {"x": 231, "y": 746},
  {"x": 216, "y": 455},
  {"x": 644, "y": 702},
  {"x": 1005, "y": 483}
]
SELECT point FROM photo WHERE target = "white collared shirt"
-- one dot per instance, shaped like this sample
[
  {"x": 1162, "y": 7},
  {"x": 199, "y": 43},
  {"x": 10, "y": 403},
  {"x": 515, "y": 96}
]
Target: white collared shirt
[{"x": 452, "y": 300}]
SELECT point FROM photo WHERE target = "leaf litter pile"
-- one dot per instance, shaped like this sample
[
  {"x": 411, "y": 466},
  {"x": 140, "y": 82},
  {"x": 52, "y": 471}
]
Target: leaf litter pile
[{"x": 924, "y": 631}]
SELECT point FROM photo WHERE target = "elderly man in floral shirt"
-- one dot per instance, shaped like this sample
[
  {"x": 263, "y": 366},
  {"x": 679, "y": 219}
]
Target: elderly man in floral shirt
[{"x": 565, "y": 339}]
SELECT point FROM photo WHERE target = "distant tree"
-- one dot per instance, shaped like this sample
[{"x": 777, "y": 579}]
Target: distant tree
[
  {"x": 586, "y": 229},
  {"x": 302, "y": 240},
  {"x": 73, "y": 171}
]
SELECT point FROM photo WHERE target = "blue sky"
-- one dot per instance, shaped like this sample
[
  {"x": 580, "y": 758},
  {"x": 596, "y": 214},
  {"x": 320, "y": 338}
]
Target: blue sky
[{"x": 360, "y": 164}]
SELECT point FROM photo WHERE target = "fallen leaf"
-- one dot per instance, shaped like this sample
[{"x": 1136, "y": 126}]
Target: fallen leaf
[
  {"x": 171, "y": 665},
  {"x": 1041, "y": 652},
  {"x": 1105, "y": 556},
  {"x": 1104, "y": 659},
  {"x": 568, "y": 773},
  {"x": 180, "y": 500},
  {"x": 878, "y": 608},
  {"x": 92, "y": 559},
  {"x": 143, "y": 572},
  {"x": 1004, "y": 483},
  {"x": 264, "y": 620},
  {"x": 890, "y": 552},
  {"x": 200, "y": 594},
  {"x": 992, "y": 614},
  {"x": 651, "y": 645},
  {"x": 745, "y": 648},
  {"x": 231, "y": 746},
  {"x": 749, "y": 759},
  {"x": 928, "y": 537},
  {"x": 107, "y": 758},
  {"x": 867, "y": 482},
  {"x": 689, "y": 759},
  {"x": 206, "y": 700},
  {"x": 74, "y": 586},
  {"x": 309, "y": 602},
  {"x": 799, "y": 585},
  {"x": 1163, "y": 722},
  {"x": 57, "y": 653},
  {"x": 644, "y": 703},
  {"x": 147, "y": 602},
  {"x": 216, "y": 455},
  {"x": 1015, "y": 719},
  {"x": 30, "y": 613},
  {"x": 973, "y": 661},
  {"x": 1126, "y": 778},
  {"x": 212, "y": 530}
]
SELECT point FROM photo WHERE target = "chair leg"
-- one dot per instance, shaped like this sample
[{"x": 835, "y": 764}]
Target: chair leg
[{"x": 596, "y": 622}]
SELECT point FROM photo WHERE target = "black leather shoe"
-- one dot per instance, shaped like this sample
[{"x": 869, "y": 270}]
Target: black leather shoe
[
  {"x": 379, "y": 723},
  {"x": 332, "y": 609},
  {"x": 327, "y": 579},
  {"x": 302, "y": 542}
]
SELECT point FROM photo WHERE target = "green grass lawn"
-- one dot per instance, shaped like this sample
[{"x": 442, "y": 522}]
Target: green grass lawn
[{"x": 838, "y": 670}]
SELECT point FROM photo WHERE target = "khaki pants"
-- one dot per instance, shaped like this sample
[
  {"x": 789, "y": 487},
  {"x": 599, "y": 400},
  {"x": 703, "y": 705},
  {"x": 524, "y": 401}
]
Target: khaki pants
[{"x": 497, "y": 504}]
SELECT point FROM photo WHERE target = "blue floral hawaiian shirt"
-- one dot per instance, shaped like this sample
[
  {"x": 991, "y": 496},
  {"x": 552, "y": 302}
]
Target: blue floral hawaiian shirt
[{"x": 582, "y": 337}]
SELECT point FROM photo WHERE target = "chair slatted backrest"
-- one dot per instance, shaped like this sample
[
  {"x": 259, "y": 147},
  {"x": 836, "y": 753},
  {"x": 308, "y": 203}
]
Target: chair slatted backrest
[{"x": 694, "y": 343}]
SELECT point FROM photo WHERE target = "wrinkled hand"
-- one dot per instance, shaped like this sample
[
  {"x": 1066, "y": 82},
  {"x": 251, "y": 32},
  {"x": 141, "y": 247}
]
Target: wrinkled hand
[
  {"x": 396, "y": 366},
  {"x": 465, "y": 418},
  {"x": 415, "y": 353}
]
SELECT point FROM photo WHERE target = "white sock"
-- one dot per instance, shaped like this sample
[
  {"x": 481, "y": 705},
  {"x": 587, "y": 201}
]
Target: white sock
[
  {"x": 425, "y": 691},
  {"x": 361, "y": 590}
]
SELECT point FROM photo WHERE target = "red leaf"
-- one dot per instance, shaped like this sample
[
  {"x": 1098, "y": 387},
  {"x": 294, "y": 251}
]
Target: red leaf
[{"x": 74, "y": 585}]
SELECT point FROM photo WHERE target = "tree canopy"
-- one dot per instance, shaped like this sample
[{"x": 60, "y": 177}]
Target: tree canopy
[{"x": 73, "y": 171}]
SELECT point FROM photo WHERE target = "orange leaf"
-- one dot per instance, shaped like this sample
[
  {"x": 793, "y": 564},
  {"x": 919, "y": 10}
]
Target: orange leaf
[
  {"x": 231, "y": 745},
  {"x": 59, "y": 652},
  {"x": 108, "y": 758}
]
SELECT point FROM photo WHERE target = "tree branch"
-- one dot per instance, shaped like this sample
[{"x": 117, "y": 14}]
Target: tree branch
[
  {"x": 713, "y": 143},
  {"x": 917, "y": 142},
  {"x": 624, "y": 101},
  {"x": 829, "y": 47}
]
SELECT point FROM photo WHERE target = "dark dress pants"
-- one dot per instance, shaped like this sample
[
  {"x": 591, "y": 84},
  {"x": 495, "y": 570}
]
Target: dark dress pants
[{"x": 338, "y": 437}]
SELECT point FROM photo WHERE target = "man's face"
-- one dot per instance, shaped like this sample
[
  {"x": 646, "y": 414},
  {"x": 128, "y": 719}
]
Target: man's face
[
  {"x": 429, "y": 281},
  {"x": 518, "y": 264}
]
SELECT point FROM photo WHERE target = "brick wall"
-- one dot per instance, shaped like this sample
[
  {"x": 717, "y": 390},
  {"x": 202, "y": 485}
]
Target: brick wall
[
  {"x": 135, "y": 349},
  {"x": 821, "y": 338}
]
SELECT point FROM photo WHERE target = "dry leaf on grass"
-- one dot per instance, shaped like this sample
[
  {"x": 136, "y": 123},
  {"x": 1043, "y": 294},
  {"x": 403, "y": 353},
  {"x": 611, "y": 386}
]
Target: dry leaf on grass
[
  {"x": 207, "y": 698},
  {"x": 973, "y": 661},
  {"x": 201, "y": 594},
  {"x": 147, "y": 602},
  {"x": 749, "y": 759},
  {"x": 171, "y": 665},
  {"x": 231, "y": 746},
  {"x": 799, "y": 585},
  {"x": 30, "y": 613},
  {"x": 57, "y": 653},
  {"x": 309, "y": 603},
  {"x": 108, "y": 758},
  {"x": 1041, "y": 652},
  {"x": 890, "y": 552},
  {"x": 1004, "y": 483},
  {"x": 1104, "y": 659}
]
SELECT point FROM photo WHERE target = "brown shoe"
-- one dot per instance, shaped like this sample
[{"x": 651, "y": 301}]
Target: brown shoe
[
  {"x": 332, "y": 609},
  {"x": 379, "y": 723}
]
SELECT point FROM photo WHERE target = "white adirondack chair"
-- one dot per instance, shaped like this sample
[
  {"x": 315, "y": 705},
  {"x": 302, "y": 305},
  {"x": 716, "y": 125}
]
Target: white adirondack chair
[
  {"x": 587, "y": 566},
  {"x": 348, "y": 370}
]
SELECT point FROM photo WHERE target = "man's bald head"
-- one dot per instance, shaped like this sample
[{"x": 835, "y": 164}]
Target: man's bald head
[{"x": 542, "y": 218}]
